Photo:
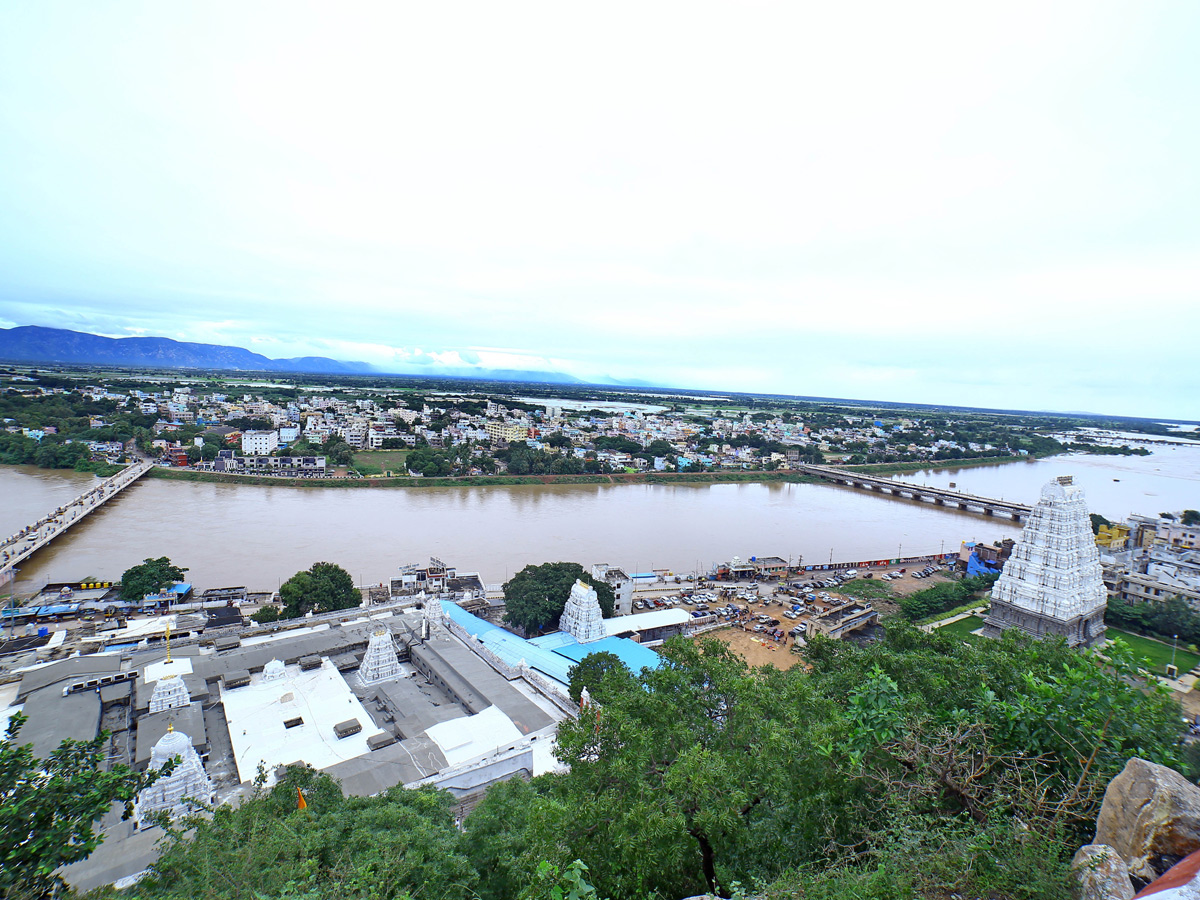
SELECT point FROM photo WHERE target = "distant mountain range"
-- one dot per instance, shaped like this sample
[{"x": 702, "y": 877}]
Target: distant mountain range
[{"x": 35, "y": 344}]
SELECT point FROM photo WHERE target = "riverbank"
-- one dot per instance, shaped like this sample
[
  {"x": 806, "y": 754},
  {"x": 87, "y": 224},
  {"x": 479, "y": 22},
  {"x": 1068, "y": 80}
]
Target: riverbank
[{"x": 681, "y": 478}]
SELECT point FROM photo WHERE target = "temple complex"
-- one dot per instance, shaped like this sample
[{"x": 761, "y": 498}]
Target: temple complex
[
  {"x": 581, "y": 617},
  {"x": 1051, "y": 584}
]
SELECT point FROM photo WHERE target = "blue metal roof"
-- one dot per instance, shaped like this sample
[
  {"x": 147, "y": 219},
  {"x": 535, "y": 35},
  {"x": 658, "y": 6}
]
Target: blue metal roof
[
  {"x": 181, "y": 588},
  {"x": 551, "y": 654},
  {"x": 553, "y": 641},
  {"x": 634, "y": 655}
]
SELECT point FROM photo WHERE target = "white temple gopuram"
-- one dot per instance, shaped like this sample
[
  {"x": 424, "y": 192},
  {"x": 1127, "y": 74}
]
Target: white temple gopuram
[
  {"x": 380, "y": 661},
  {"x": 169, "y": 693},
  {"x": 581, "y": 617},
  {"x": 1051, "y": 584},
  {"x": 189, "y": 781}
]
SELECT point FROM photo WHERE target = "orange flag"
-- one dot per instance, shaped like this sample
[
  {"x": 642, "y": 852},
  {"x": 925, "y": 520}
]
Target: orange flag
[{"x": 300, "y": 804}]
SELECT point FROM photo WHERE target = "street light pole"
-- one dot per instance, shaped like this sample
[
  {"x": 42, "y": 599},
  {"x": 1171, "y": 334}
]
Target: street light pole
[{"x": 1174, "y": 646}]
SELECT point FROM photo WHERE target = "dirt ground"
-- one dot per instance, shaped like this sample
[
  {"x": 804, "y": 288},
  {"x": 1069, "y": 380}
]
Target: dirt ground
[
  {"x": 1190, "y": 703},
  {"x": 902, "y": 587},
  {"x": 753, "y": 648}
]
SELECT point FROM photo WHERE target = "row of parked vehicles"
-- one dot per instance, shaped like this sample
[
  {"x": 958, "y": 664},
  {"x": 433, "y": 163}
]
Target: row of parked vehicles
[{"x": 925, "y": 572}]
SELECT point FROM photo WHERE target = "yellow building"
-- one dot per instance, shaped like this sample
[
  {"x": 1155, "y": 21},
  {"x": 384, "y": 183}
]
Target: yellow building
[
  {"x": 506, "y": 431},
  {"x": 1112, "y": 537}
]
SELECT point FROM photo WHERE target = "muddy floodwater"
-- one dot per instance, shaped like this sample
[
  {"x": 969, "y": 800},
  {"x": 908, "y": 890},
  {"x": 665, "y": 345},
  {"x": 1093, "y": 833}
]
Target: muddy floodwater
[{"x": 259, "y": 536}]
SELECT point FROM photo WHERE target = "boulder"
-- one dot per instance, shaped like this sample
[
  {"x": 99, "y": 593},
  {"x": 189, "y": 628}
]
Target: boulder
[
  {"x": 1099, "y": 873},
  {"x": 1151, "y": 817}
]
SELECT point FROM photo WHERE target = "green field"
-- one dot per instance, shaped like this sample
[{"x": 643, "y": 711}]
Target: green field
[
  {"x": 376, "y": 462},
  {"x": 867, "y": 589},
  {"x": 1157, "y": 652},
  {"x": 964, "y": 627}
]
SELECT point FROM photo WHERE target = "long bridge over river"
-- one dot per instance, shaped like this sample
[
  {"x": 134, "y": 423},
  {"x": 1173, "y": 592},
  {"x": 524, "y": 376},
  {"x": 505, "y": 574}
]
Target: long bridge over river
[
  {"x": 32, "y": 538},
  {"x": 939, "y": 496}
]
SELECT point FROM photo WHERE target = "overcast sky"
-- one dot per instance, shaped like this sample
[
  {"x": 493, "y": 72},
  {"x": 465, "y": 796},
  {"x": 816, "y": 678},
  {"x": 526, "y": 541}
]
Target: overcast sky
[{"x": 984, "y": 204}]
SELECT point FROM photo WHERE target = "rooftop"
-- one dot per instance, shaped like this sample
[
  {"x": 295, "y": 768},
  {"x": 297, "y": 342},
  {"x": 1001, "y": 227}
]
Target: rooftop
[{"x": 290, "y": 719}]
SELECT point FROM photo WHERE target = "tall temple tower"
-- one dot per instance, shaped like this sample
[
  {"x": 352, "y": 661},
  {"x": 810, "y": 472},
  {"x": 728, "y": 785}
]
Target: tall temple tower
[
  {"x": 1051, "y": 584},
  {"x": 380, "y": 661},
  {"x": 169, "y": 693},
  {"x": 184, "y": 791},
  {"x": 581, "y": 617}
]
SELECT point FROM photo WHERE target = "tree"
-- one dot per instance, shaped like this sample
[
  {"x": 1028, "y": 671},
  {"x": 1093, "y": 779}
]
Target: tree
[
  {"x": 1191, "y": 517},
  {"x": 266, "y": 615},
  {"x": 398, "y": 844},
  {"x": 591, "y": 672},
  {"x": 323, "y": 588},
  {"x": 691, "y": 776},
  {"x": 149, "y": 577},
  {"x": 48, "y": 807},
  {"x": 534, "y": 598}
]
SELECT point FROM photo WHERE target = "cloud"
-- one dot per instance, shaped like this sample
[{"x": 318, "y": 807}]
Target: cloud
[{"x": 944, "y": 202}]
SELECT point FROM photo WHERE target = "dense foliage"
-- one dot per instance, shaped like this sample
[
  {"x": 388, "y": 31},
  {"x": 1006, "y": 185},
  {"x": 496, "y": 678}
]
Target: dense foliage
[
  {"x": 401, "y": 843},
  {"x": 910, "y": 761},
  {"x": 149, "y": 577},
  {"x": 325, "y": 587},
  {"x": 590, "y": 673},
  {"x": 534, "y": 598},
  {"x": 48, "y": 807},
  {"x": 944, "y": 596}
]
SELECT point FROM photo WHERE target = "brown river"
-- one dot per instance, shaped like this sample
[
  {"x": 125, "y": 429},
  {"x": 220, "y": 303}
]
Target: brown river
[{"x": 259, "y": 536}]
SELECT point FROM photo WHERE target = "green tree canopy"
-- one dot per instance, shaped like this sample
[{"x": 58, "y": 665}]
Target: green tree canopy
[
  {"x": 322, "y": 588},
  {"x": 400, "y": 843},
  {"x": 702, "y": 773},
  {"x": 148, "y": 577},
  {"x": 534, "y": 598},
  {"x": 48, "y": 807},
  {"x": 591, "y": 672}
]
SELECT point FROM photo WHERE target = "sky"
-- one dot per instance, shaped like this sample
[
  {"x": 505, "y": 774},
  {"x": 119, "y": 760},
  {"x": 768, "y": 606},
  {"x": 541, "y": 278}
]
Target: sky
[{"x": 992, "y": 205}]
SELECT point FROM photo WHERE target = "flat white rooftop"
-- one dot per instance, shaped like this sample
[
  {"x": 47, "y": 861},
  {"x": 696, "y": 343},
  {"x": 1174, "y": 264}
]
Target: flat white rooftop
[
  {"x": 155, "y": 671},
  {"x": 259, "y": 712},
  {"x": 657, "y": 618},
  {"x": 138, "y": 629},
  {"x": 471, "y": 737}
]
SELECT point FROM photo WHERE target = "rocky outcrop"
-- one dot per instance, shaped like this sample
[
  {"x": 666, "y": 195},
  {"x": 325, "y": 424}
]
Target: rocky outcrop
[
  {"x": 1100, "y": 874},
  {"x": 1151, "y": 817}
]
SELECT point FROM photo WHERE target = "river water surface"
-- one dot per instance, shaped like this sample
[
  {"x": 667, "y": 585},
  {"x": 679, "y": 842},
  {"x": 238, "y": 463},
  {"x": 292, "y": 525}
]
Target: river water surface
[{"x": 259, "y": 536}]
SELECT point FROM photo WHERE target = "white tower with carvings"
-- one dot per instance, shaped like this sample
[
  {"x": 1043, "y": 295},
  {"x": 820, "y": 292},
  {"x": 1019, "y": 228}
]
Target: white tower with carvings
[
  {"x": 184, "y": 790},
  {"x": 169, "y": 693},
  {"x": 380, "y": 661},
  {"x": 581, "y": 617},
  {"x": 1051, "y": 584}
]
